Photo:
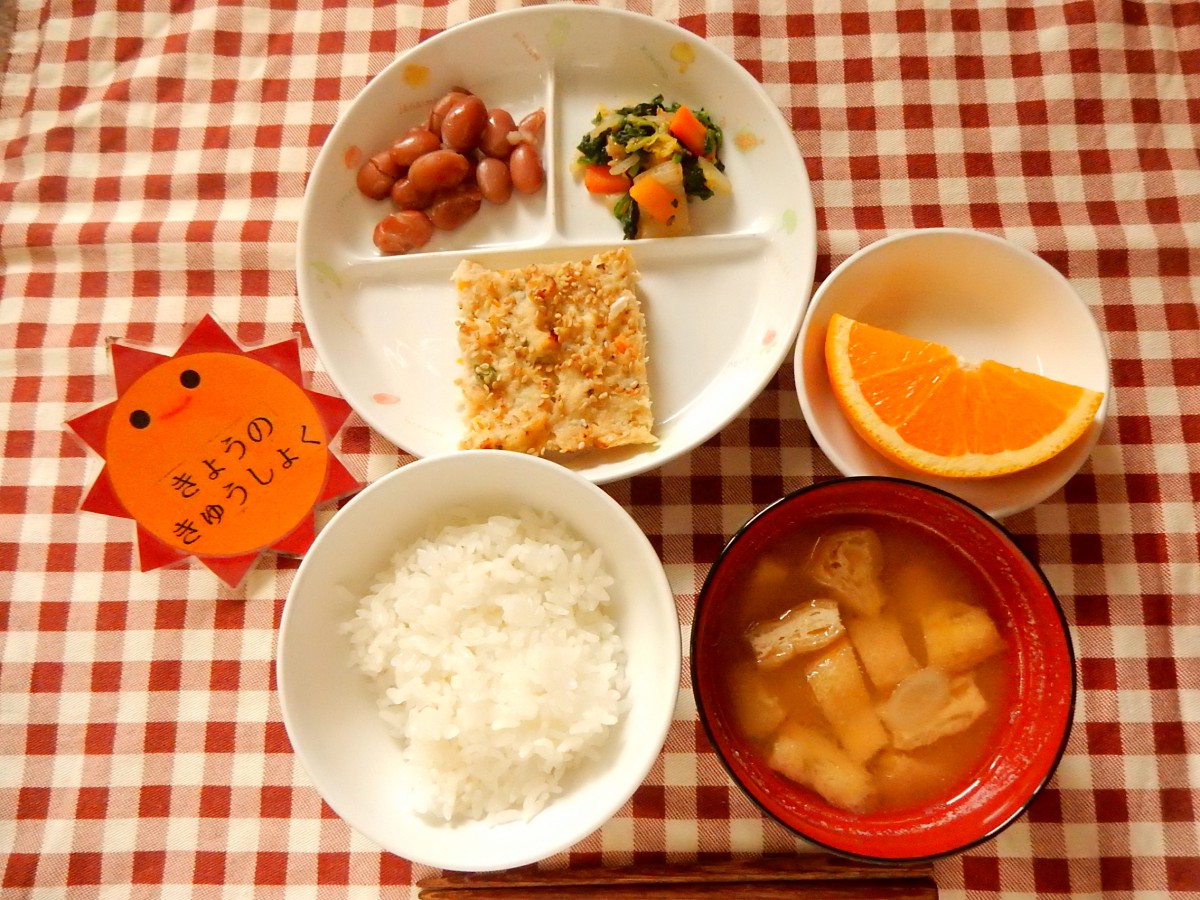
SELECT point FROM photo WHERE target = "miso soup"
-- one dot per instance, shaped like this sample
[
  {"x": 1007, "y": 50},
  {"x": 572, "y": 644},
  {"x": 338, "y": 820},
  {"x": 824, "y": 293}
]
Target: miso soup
[{"x": 862, "y": 659}]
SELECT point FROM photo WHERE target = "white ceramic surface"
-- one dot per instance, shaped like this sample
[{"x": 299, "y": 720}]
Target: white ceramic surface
[
  {"x": 329, "y": 708},
  {"x": 983, "y": 297},
  {"x": 723, "y": 305}
]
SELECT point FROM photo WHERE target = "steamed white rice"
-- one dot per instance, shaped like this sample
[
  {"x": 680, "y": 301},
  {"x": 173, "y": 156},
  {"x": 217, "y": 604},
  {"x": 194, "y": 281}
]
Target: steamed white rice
[{"x": 496, "y": 662}]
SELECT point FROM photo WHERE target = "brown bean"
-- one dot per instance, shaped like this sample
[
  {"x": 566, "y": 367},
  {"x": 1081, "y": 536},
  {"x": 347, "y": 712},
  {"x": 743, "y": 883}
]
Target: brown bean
[
  {"x": 452, "y": 208},
  {"x": 494, "y": 181},
  {"x": 472, "y": 168},
  {"x": 403, "y": 231},
  {"x": 443, "y": 106},
  {"x": 464, "y": 124},
  {"x": 377, "y": 175},
  {"x": 438, "y": 170},
  {"x": 383, "y": 160},
  {"x": 494, "y": 140},
  {"x": 525, "y": 167},
  {"x": 417, "y": 142},
  {"x": 531, "y": 126},
  {"x": 407, "y": 196}
]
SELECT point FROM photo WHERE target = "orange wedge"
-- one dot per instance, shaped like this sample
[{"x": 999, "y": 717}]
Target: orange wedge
[{"x": 922, "y": 406}]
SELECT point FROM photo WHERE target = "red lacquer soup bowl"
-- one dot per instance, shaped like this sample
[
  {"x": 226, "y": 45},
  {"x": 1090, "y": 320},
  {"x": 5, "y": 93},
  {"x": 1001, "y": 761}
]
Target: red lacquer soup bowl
[{"x": 1027, "y": 730}]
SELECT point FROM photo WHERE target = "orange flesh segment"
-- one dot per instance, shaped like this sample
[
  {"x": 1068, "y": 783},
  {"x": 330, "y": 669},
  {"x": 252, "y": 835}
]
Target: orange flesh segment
[{"x": 918, "y": 404}]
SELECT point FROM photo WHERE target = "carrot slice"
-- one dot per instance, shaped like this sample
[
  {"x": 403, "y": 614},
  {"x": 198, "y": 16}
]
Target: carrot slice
[
  {"x": 598, "y": 180},
  {"x": 654, "y": 199},
  {"x": 689, "y": 130}
]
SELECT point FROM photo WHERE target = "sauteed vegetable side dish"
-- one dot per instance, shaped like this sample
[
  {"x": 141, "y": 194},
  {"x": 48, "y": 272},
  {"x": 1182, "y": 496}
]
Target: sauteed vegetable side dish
[
  {"x": 863, "y": 662},
  {"x": 651, "y": 159}
]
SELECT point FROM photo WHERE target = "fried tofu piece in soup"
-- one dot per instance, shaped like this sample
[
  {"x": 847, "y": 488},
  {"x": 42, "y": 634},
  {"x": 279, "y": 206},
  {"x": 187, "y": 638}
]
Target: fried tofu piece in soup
[
  {"x": 805, "y": 627},
  {"x": 930, "y": 705},
  {"x": 841, "y": 693},
  {"x": 958, "y": 636},
  {"x": 810, "y": 758},
  {"x": 849, "y": 565},
  {"x": 879, "y": 641}
]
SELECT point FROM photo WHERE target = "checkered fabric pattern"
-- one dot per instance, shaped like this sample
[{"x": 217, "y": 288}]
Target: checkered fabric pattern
[{"x": 154, "y": 160}]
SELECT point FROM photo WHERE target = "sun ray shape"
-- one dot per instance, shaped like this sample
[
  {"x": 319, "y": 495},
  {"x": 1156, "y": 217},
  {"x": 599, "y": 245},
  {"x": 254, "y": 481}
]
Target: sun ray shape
[{"x": 216, "y": 452}]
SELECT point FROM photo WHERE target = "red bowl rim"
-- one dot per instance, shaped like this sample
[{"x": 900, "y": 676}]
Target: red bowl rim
[{"x": 1040, "y": 769}]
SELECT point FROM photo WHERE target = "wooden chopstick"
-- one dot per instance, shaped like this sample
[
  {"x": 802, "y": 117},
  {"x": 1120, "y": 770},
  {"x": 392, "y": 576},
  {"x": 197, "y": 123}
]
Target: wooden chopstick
[
  {"x": 827, "y": 890},
  {"x": 765, "y": 878}
]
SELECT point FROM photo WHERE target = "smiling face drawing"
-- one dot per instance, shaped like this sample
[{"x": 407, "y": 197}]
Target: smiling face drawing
[{"x": 216, "y": 452}]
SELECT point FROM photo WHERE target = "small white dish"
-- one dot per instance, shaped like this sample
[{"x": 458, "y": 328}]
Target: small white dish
[
  {"x": 983, "y": 297},
  {"x": 329, "y": 707},
  {"x": 723, "y": 305}
]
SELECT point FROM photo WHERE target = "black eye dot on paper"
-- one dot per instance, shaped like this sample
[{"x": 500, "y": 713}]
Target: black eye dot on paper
[
  {"x": 139, "y": 418},
  {"x": 189, "y": 378}
]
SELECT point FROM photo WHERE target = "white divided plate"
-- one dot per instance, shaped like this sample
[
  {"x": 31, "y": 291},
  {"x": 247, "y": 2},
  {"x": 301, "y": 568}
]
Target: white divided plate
[{"x": 723, "y": 305}]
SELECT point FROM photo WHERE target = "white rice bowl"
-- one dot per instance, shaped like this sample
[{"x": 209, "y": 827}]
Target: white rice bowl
[{"x": 516, "y": 780}]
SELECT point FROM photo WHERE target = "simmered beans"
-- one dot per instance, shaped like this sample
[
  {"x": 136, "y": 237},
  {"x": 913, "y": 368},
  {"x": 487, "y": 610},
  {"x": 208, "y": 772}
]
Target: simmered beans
[
  {"x": 377, "y": 175},
  {"x": 443, "y": 106},
  {"x": 438, "y": 174},
  {"x": 416, "y": 143},
  {"x": 454, "y": 206},
  {"x": 464, "y": 123},
  {"x": 438, "y": 170},
  {"x": 525, "y": 166},
  {"x": 403, "y": 231},
  {"x": 406, "y": 195},
  {"x": 494, "y": 141},
  {"x": 494, "y": 180},
  {"x": 531, "y": 126}
]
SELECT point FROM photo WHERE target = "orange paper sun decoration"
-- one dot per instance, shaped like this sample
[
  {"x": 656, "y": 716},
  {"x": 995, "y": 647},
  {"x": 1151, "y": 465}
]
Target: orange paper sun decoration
[{"x": 217, "y": 452}]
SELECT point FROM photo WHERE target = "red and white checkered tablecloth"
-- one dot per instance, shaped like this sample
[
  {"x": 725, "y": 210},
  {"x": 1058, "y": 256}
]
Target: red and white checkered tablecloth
[{"x": 154, "y": 161}]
